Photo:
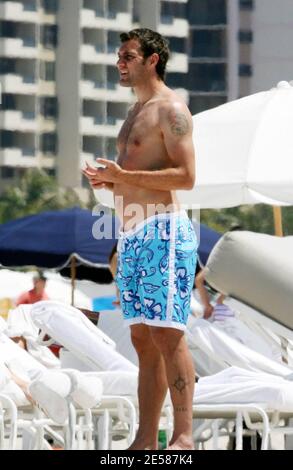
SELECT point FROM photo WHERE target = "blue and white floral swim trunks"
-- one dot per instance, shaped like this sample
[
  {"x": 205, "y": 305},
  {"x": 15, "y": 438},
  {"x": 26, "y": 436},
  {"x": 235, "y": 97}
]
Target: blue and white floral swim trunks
[{"x": 156, "y": 268}]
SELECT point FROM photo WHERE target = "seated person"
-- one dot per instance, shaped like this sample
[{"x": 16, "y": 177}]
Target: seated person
[
  {"x": 219, "y": 311},
  {"x": 37, "y": 293}
]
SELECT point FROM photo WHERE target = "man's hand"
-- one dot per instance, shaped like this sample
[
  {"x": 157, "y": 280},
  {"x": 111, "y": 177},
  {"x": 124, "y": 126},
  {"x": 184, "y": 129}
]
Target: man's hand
[
  {"x": 208, "y": 310},
  {"x": 111, "y": 173},
  {"x": 103, "y": 177}
]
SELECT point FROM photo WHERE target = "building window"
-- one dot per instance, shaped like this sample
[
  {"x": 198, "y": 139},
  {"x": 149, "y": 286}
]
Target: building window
[
  {"x": 49, "y": 106},
  {"x": 170, "y": 11},
  {"x": 245, "y": 70},
  {"x": 205, "y": 43},
  {"x": 245, "y": 36},
  {"x": 47, "y": 71},
  {"x": 7, "y": 66},
  {"x": 52, "y": 172},
  {"x": 8, "y": 29},
  {"x": 176, "y": 80},
  {"x": 177, "y": 45},
  {"x": 246, "y": 4},
  {"x": 49, "y": 143},
  {"x": 136, "y": 12},
  {"x": 207, "y": 77},
  {"x": 30, "y": 5},
  {"x": 8, "y": 101},
  {"x": 206, "y": 12},
  {"x": 197, "y": 104},
  {"x": 50, "y": 36},
  {"x": 50, "y": 6},
  {"x": 7, "y": 172},
  {"x": 7, "y": 139}
]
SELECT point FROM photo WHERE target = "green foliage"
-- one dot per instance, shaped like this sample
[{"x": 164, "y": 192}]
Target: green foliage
[
  {"x": 257, "y": 218},
  {"x": 37, "y": 192}
]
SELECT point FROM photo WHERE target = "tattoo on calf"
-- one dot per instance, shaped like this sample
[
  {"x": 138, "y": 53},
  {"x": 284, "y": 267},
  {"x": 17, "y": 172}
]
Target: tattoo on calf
[
  {"x": 181, "y": 409},
  {"x": 180, "y": 384},
  {"x": 179, "y": 123}
]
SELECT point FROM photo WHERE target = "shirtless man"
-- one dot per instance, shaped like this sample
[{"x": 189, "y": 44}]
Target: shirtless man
[{"x": 157, "y": 247}]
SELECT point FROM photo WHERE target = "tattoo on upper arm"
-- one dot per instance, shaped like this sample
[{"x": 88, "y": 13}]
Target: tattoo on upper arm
[{"x": 179, "y": 123}]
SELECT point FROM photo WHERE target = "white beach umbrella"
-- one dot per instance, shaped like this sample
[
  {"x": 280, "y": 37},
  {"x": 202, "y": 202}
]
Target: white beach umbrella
[{"x": 244, "y": 151}]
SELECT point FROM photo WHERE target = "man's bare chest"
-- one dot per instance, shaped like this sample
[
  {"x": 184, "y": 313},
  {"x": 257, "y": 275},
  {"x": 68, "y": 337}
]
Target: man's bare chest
[
  {"x": 139, "y": 137},
  {"x": 137, "y": 128}
]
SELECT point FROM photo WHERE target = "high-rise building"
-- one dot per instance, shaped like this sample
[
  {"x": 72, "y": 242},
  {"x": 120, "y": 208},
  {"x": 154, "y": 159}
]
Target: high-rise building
[
  {"x": 29, "y": 108},
  {"x": 265, "y": 35},
  {"x": 62, "y": 104},
  {"x": 236, "y": 48}
]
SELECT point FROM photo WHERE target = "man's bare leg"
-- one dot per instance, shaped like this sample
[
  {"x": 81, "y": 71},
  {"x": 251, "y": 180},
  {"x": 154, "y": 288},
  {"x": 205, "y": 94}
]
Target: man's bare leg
[
  {"x": 181, "y": 379},
  {"x": 152, "y": 387}
]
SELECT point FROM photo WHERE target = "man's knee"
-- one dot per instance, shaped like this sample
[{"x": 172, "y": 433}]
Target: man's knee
[
  {"x": 141, "y": 338},
  {"x": 167, "y": 339}
]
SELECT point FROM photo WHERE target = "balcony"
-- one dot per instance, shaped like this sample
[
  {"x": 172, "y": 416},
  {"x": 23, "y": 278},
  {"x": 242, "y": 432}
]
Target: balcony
[
  {"x": 178, "y": 63},
  {"x": 18, "y": 120},
  {"x": 177, "y": 27},
  {"x": 15, "y": 156},
  {"x": 16, "y": 47},
  {"x": 114, "y": 21},
  {"x": 105, "y": 91},
  {"x": 93, "y": 126},
  {"x": 14, "y": 83},
  {"x": 93, "y": 55},
  {"x": 19, "y": 11}
]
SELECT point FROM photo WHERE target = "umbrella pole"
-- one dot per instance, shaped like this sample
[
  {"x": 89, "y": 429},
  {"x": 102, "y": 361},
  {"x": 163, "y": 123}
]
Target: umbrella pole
[
  {"x": 278, "y": 221},
  {"x": 73, "y": 276}
]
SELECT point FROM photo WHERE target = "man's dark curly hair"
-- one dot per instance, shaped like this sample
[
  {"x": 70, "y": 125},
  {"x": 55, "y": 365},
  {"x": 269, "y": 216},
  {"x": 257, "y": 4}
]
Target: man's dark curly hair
[{"x": 150, "y": 43}]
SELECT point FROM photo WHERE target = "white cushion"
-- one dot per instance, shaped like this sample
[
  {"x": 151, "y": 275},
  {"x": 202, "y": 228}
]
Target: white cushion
[{"x": 73, "y": 330}]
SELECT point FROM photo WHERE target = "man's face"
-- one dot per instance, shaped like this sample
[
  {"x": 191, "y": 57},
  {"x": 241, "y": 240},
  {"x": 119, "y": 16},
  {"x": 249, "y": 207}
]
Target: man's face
[
  {"x": 40, "y": 284},
  {"x": 131, "y": 64}
]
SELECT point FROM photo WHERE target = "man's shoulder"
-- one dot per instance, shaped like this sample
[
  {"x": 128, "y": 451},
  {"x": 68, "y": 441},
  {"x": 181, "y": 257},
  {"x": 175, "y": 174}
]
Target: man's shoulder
[
  {"x": 172, "y": 102},
  {"x": 23, "y": 298},
  {"x": 174, "y": 111}
]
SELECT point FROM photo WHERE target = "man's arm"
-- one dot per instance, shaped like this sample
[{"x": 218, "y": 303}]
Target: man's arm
[
  {"x": 203, "y": 293},
  {"x": 22, "y": 299},
  {"x": 176, "y": 127}
]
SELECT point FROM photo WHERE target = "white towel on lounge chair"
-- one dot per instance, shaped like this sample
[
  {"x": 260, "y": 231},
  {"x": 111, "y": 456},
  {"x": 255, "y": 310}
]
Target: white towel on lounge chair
[
  {"x": 124, "y": 383},
  {"x": 87, "y": 388},
  {"x": 73, "y": 330},
  {"x": 11, "y": 389},
  {"x": 236, "y": 385},
  {"x": 233, "y": 385},
  {"x": 10, "y": 351},
  {"x": 20, "y": 323},
  {"x": 52, "y": 389},
  {"x": 218, "y": 345}
]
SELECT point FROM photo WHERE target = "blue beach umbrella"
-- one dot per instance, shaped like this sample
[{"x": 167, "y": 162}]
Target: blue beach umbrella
[
  {"x": 50, "y": 239},
  {"x": 56, "y": 239},
  {"x": 65, "y": 239}
]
